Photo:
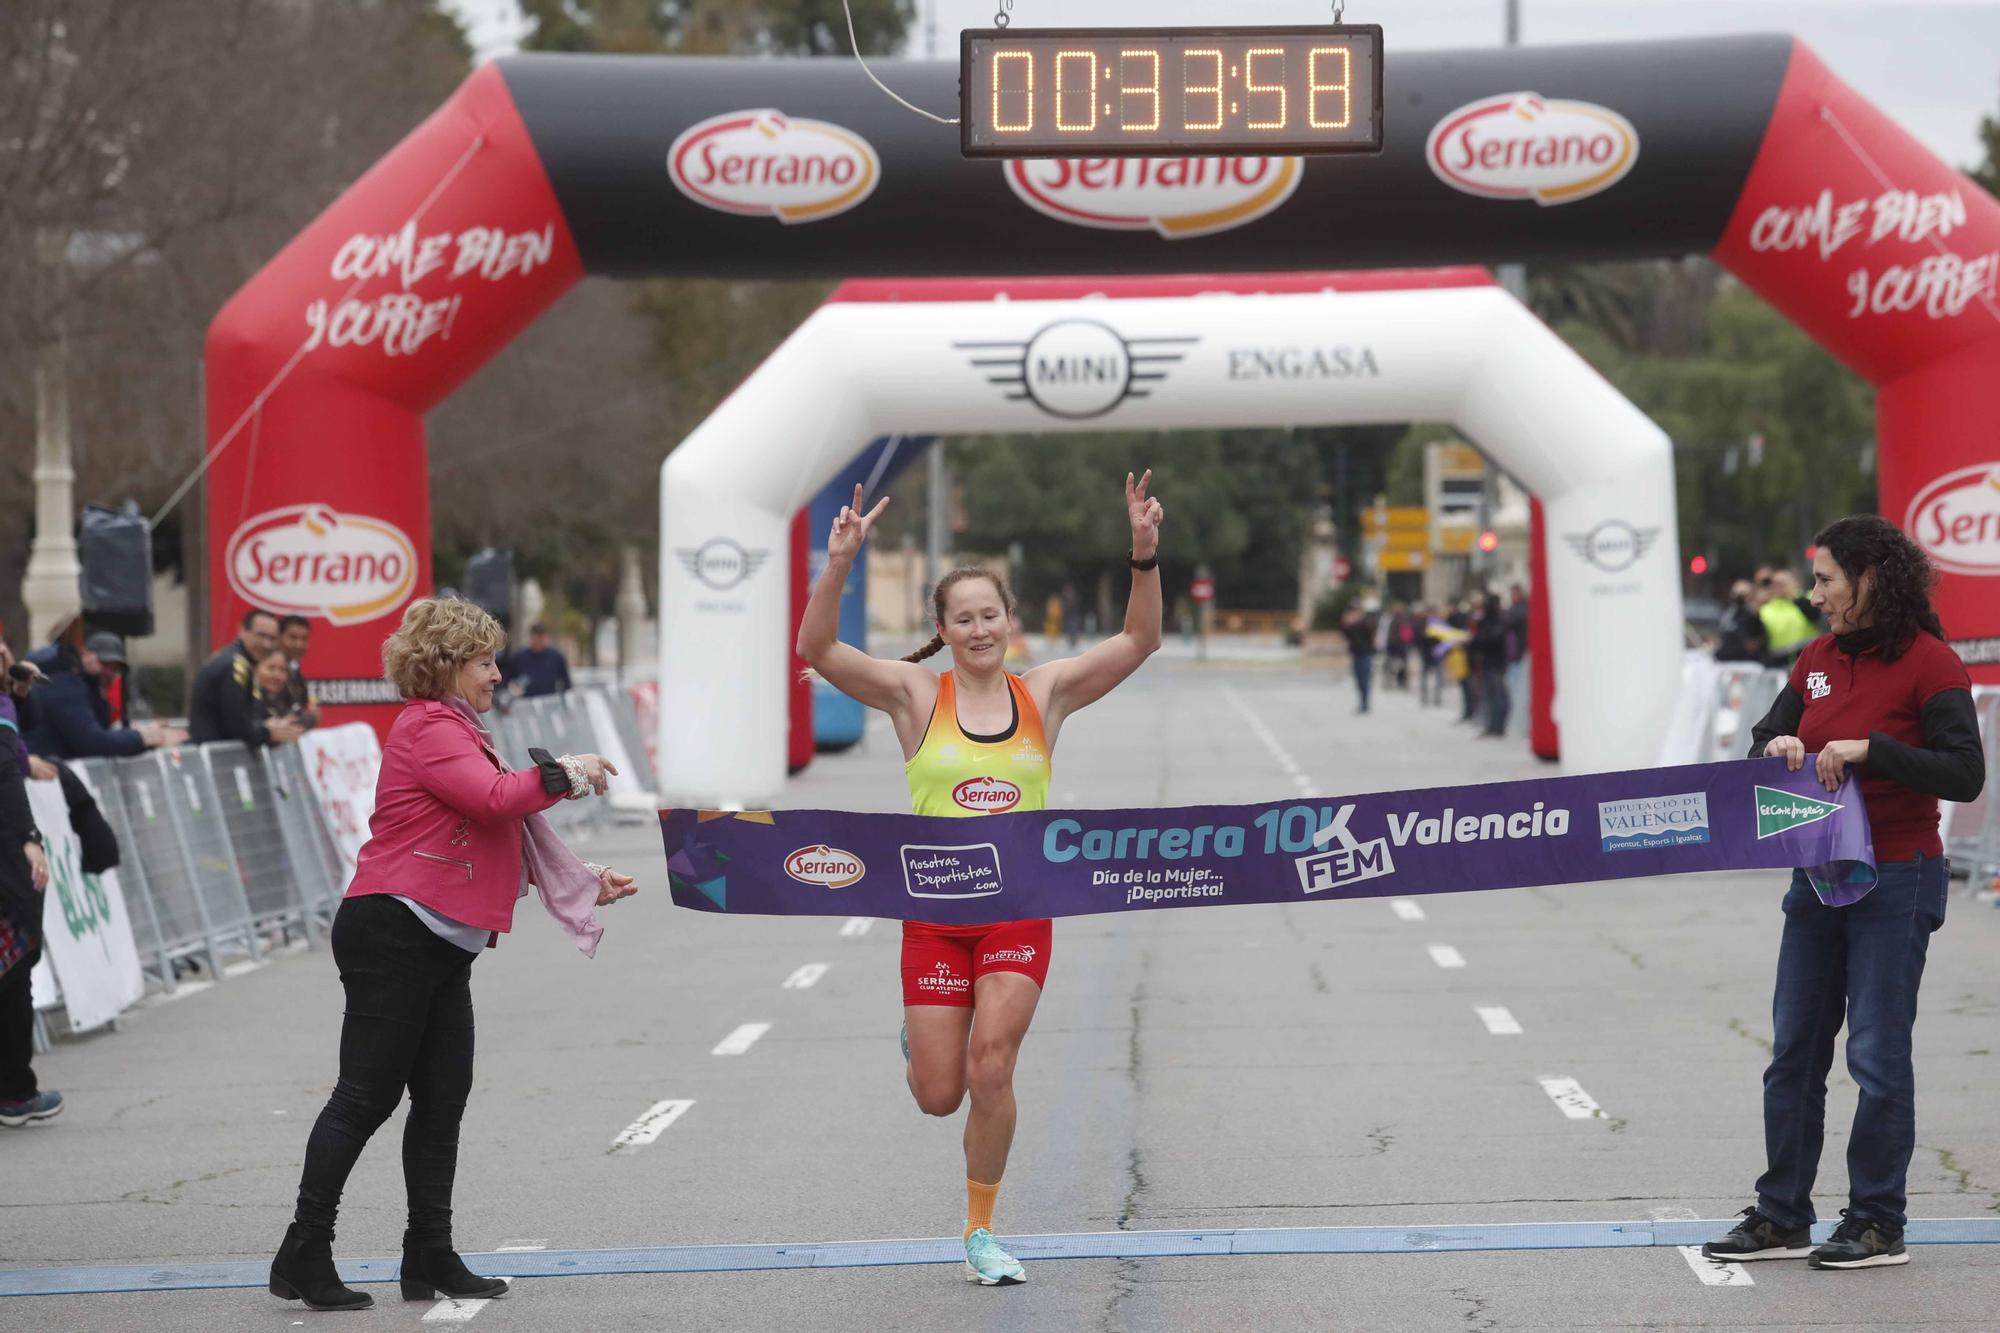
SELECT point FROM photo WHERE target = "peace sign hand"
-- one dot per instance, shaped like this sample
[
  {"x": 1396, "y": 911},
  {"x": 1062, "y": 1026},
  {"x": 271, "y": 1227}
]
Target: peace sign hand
[
  {"x": 851, "y": 526},
  {"x": 1146, "y": 514}
]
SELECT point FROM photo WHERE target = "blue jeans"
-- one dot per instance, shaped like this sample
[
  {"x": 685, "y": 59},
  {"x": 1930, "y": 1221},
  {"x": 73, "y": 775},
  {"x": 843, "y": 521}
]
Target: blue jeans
[
  {"x": 1497, "y": 701},
  {"x": 1863, "y": 963},
  {"x": 1364, "y": 676}
]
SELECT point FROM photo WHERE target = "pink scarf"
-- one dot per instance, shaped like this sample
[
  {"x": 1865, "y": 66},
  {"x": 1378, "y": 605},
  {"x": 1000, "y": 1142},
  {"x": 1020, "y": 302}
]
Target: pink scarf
[{"x": 568, "y": 889}]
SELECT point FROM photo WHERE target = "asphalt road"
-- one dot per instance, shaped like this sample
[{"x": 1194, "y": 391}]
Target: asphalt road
[{"x": 1306, "y": 1066}]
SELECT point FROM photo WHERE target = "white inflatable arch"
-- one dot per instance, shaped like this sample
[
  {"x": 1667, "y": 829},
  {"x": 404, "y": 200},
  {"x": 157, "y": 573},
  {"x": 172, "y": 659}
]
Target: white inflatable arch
[{"x": 950, "y": 357}]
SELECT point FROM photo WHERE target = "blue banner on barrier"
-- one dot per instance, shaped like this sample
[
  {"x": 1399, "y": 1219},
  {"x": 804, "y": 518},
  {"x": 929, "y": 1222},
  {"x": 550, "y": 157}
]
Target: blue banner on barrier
[{"x": 1746, "y": 815}]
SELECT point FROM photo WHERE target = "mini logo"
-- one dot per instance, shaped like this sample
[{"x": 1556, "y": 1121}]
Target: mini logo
[
  {"x": 1076, "y": 368},
  {"x": 308, "y": 560},
  {"x": 1525, "y": 146},
  {"x": 1024, "y": 954},
  {"x": 1648, "y": 822},
  {"x": 766, "y": 164},
  {"x": 987, "y": 795},
  {"x": 1614, "y": 545},
  {"x": 1957, "y": 519},
  {"x": 1780, "y": 811},
  {"x": 1817, "y": 685},
  {"x": 721, "y": 563},
  {"x": 1177, "y": 197},
  {"x": 828, "y": 867}
]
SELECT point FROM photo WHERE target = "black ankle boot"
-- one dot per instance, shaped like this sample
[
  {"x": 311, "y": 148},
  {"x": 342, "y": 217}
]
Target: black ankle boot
[
  {"x": 304, "y": 1271},
  {"x": 431, "y": 1271}
]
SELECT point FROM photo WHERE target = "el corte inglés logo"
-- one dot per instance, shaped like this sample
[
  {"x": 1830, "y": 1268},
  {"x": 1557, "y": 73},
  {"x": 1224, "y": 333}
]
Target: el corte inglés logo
[
  {"x": 308, "y": 560},
  {"x": 1780, "y": 811},
  {"x": 766, "y": 164},
  {"x": 828, "y": 867},
  {"x": 1957, "y": 519},
  {"x": 1526, "y": 146},
  {"x": 1177, "y": 197}
]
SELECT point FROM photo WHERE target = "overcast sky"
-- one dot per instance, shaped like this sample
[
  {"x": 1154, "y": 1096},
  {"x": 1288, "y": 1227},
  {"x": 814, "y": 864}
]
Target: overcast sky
[{"x": 1933, "y": 65}]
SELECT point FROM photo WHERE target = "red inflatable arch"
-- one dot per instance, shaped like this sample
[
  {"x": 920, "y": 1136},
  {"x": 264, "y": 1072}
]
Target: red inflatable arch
[{"x": 543, "y": 168}]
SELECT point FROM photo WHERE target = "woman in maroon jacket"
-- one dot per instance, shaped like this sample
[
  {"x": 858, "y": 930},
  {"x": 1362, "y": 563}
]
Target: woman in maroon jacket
[
  {"x": 1885, "y": 695},
  {"x": 454, "y": 840}
]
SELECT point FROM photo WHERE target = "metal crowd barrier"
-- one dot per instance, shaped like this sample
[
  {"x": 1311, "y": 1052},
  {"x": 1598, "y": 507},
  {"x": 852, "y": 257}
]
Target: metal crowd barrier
[
  {"x": 1743, "y": 693},
  {"x": 1972, "y": 839},
  {"x": 224, "y": 851}
]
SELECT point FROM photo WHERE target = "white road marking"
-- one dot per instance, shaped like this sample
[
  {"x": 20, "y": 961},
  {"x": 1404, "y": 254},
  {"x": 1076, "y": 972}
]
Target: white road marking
[
  {"x": 1498, "y": 1021},
  {"x": 741, "y": 1040},
  {"x": 1715, "y": 1272},
  {"x": 449, "y": 1311},
  {"x": 1446, "y": 956},
  {"x": 1263, "y": 733},
  {"x": 1571, "y": 1099},
  {"x": 856, "y": 925},
  {"x": 507, "y": 1245},
  {"x": 804, "y": 978},
  {"x": 1406, "y": 910},
  {"x": 650, "y": 1125}
]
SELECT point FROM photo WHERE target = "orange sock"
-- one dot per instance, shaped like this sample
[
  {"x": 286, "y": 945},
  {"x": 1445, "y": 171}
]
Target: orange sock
[{"x": 979, "y": 1200}]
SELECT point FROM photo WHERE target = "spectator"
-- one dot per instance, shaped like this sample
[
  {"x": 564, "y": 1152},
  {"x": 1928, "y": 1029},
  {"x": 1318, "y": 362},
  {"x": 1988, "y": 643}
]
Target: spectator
[
  {"x": 113, "y": 676},
  {"x": 271, "y": 693},
  {"x": 1432, "y": 650},
  {"x": 1489, "y": 659},
  {"x": 1518, "y": 616},
  {"x": 69, "y": 715},
  {"x": 24, "y": 876},
  {"x": 222, "y": 708},
  {"x": 1458, "y": 661},
  {"x": 295, "y": 639},
  {"x": 1739, "y": 635},
  {"x": 538, "y": 669},
  {"x": 1359, "y": 626},
  {"x": 1787, "y": 630}
]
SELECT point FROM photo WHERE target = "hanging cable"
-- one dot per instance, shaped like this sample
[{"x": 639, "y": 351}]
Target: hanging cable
[{"x": 855, "y": 42}]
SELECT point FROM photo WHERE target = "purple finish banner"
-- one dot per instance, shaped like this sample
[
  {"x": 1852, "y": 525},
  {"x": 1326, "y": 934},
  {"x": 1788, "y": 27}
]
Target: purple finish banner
[{"x": 1746, "y": 815}]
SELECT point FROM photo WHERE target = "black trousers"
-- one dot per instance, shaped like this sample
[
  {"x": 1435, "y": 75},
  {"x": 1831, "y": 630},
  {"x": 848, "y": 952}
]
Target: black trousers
[
  {"x": 17, "y": 1030},
  {"x": 408, "y": 1025}
]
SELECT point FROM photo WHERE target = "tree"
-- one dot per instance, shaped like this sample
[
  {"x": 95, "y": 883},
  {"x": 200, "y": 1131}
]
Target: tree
[{"x": 1987, "y": 173}]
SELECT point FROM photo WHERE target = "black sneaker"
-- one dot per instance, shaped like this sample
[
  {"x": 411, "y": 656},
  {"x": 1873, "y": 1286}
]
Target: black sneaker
[
  {"x": 1861, "y": 1242},
  {"x": 1758, "y": 1237}
]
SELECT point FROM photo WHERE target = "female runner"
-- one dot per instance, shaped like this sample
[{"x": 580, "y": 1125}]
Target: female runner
[{"x": 977, "y": 740}]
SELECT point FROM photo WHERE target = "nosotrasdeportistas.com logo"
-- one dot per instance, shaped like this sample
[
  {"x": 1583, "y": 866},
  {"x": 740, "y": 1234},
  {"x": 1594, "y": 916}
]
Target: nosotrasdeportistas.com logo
[
  {"x": 828, "y": 867},
  {"x": 1647, "y": 822},
  {"x": 308, "y": 560},
  {"x": 1526, "y": 146},
  {"x": 1614, "y": 545},
  {"x": 1957, "y": 519},
  {"x": 1076, "y": 368},
  {"x": 1781, "y": 811},
  {"x": 1175, "y": 197},
  {"x": 1354, "y": 861},
  {"x": 722, "y": 564},
  {"x": 766, "y": 164}
]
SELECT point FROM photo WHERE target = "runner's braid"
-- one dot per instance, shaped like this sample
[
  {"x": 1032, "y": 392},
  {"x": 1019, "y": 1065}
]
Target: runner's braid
[{"x": 945, "y": 585}]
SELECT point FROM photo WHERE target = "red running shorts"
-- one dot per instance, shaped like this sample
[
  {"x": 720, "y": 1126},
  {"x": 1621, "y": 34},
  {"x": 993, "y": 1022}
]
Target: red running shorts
[{"x": 940, "y": 963}]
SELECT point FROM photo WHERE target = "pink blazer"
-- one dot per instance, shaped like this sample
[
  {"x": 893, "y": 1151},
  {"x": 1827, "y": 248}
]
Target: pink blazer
[{"x": 447, "y": 824}]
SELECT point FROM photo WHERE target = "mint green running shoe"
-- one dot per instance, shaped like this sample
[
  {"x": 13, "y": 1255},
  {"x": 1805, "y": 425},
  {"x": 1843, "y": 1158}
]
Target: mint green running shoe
[{"x": 989, "y": 1265}]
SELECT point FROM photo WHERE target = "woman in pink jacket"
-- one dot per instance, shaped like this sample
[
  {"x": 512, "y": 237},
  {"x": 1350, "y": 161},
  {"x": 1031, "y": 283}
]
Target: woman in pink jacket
[{"x": 455, "y": 839}]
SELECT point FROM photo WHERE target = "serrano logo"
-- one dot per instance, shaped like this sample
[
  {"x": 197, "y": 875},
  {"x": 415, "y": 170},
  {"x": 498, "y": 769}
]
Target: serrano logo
[
  {"x": 1177, "y": 197},
  {"x": 1076, "y": 368},
  {"x": 1957, "y": 519},
  {"x": 986, "y": 794},
  {"x": 765, "y": 164},
  {"x": 308, "y": 560},
  {"x": 1525, "y": 146},
  {"x": 828, "y": 867}
]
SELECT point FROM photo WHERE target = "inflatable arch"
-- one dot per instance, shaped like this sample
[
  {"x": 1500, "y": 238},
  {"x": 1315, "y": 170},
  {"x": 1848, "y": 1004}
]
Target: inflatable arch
[
  {"x": 956, "y": 356},
  {"x": 542, "y": 168}
]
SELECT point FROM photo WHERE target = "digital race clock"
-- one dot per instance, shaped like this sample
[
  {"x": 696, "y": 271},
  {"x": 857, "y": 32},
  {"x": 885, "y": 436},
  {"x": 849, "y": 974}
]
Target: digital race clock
[{"x": 1170, "y": 92}]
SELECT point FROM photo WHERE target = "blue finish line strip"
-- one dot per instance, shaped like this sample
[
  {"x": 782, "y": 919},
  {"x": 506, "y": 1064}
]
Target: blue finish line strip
[{"x": 879, "y": 1253}]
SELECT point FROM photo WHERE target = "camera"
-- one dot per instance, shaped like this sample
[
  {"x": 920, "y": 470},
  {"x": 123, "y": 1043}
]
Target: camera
[{"x": 22, "y": 671}]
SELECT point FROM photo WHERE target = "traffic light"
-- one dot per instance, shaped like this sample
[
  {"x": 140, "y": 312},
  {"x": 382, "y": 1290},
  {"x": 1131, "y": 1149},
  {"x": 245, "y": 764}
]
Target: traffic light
[
  {"x": 1698, "y": 565},
  {"x": 1489, "y": 541}
]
